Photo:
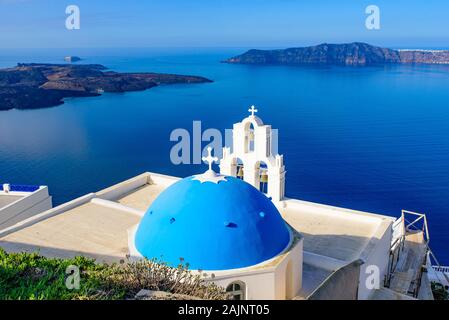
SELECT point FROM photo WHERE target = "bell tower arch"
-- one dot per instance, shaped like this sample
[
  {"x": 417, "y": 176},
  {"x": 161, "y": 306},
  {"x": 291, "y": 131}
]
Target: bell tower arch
[{"x": 253, "y": 157}]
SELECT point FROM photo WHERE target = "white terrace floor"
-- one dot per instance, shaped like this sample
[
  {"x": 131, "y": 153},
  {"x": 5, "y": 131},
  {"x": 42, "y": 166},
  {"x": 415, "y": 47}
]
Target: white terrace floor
[
  {"x": 94, "y": 225},
  {"x": 331, "y": 233},
  {"x": 335, "y": 237},
  {"x": 89, "y": 229},
  {"x": 142, "y": 197}
]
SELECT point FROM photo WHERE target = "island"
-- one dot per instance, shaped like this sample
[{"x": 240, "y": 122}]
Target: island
[
  {"x": 72, "y": 59},
  {"x": 348, "y": 54},
  {"x": 37, "y": 85}
]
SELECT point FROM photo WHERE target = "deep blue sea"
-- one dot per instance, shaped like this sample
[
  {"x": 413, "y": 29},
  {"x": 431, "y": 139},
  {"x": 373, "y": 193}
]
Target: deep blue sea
[{"x": 373, "y": 139}]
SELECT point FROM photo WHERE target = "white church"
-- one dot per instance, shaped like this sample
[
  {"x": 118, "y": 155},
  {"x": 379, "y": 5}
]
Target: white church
[{"x": 238, "y": 227}]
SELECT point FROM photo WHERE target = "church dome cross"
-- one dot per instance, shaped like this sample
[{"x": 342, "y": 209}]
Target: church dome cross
[
  {"x": 209, "y": 159},
  {"x": 210, "y": 175}
]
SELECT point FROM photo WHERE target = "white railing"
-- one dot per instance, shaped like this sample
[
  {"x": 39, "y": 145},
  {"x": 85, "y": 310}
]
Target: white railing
[
  {"x": 414, "y": 225},
  {"x": 444, "y": 269},
  {"x": 397, "y": 245},
  {"x": 398, "y": 231},
  {"x": 409, "y": 222}
]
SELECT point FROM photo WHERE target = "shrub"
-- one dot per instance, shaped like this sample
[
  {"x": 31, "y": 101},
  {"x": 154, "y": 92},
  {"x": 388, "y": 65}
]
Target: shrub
[
  {"x": 439, "y": 291},
  {"x": 31, "y": 276},
  {"x": 159, "y": 276}
]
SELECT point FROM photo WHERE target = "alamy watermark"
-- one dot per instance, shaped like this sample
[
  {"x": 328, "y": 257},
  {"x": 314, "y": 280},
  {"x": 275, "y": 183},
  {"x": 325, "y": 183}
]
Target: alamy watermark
[
  {"x": 373, "y": 277},
  {"x": 72, "y": 282},
  {"x": 190, "y": 148},
  {"x": 372, "y": 22},
  {"x": 73, "y": 21}
]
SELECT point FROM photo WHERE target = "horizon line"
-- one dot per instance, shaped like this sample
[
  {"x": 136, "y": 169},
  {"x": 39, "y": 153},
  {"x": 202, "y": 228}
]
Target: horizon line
[{"x": 401, "y": 47}]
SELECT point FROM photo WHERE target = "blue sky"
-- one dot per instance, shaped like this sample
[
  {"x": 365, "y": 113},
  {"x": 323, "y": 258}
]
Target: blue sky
[{"x": 219, "y": 23}]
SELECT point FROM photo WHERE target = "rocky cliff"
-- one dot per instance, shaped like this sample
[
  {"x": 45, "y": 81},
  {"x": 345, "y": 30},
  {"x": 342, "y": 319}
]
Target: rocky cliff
[
  {"x": 350, "y": 54},
  {"x": 30, "y": 86}
]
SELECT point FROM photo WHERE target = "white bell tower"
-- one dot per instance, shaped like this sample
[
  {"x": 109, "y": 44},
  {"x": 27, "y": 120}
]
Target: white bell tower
[{"x": 253, "y": 157}]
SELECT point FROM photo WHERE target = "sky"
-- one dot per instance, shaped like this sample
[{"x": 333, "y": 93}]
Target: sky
[{"x": 222, "y": 23}]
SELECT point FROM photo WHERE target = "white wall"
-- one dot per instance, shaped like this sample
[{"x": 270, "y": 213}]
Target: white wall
[
  {"x": 24, "y": 208},
  {"x": 290, "y": 270},
  {"x": 42, "y": 206},
  {"x": 258, "y": 286},
  {"x": 118, "y": 190},
  {"x": 376, "y": 254},
  {"x": 269, "y": 282}
]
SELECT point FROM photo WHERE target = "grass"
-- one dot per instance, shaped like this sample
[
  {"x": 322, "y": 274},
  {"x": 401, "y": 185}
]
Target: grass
[{"x": 31, "y": 276}]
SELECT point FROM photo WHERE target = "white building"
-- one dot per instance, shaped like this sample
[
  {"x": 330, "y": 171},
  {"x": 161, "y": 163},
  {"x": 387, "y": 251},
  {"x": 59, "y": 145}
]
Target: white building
[
  {"x": 246, "y": 235},
  {"x": 19, "y": 202}
]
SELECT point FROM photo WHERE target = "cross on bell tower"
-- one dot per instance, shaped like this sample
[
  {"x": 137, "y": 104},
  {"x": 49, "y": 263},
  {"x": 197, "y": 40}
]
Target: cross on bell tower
[{"x": 253, "y": 110}]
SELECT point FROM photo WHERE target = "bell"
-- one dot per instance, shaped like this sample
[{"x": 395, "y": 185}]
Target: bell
[
  {"x": 240, "y": 172},
  {"x": 264, "y": 177}
]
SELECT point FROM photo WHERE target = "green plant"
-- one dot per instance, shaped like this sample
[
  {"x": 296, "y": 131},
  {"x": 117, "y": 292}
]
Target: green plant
[
  {"x": 159, "y": 276},
  {"x": 31, "y": 276}
]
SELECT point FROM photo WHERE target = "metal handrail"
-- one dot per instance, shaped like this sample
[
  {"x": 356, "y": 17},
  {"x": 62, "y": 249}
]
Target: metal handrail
[
  {"x": 446, "y": 276},
  {"x": 402, "y": 226},
  {"x": 421, "y": 216},
  {"x": 395, "y": 250}
]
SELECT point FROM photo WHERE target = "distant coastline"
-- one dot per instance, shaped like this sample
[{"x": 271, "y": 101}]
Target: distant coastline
[
  {"x": 349, "y": 54},
  {"x": 35, "y": 85}
]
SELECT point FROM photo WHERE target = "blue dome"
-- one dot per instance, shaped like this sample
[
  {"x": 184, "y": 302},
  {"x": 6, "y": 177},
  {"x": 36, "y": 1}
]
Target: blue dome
[{"x": 212, "y": 226}]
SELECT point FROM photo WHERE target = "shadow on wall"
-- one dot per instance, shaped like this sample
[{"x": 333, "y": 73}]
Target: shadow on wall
[
  {"x": 341, "y": 284},
  {"x": 338, "y": 246}
]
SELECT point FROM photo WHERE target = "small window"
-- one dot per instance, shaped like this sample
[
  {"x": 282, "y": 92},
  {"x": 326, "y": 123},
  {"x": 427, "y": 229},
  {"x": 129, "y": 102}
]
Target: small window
[
  {"x": 249, "y": 137},
  {"x": 251, "y": 140},
  {"x": 237, "y": 290}
]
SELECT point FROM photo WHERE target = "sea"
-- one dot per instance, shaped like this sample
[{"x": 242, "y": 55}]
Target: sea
[{"x": 370, "y": 138}]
